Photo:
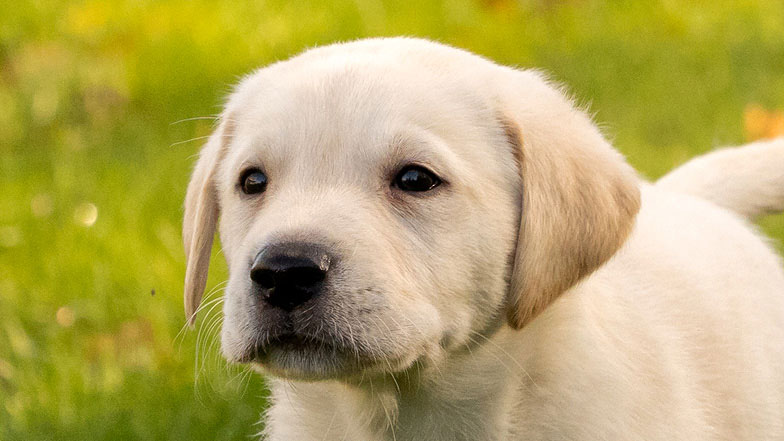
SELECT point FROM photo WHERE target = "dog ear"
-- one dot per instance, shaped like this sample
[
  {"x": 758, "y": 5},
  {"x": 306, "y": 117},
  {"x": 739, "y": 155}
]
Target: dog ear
[
  {"x": 201, "y": 217},
  {"x": 580, "y": 197}
]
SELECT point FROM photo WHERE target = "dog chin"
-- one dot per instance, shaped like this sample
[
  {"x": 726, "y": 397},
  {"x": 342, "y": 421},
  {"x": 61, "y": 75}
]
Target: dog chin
[{"x": 308, "y": 363}]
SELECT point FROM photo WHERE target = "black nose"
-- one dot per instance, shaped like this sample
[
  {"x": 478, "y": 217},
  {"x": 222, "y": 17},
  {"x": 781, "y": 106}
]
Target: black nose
[{"x": 290, "y": 274}]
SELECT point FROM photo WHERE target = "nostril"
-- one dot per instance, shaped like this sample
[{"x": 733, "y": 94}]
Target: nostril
[{"x": 264, "y": 277}]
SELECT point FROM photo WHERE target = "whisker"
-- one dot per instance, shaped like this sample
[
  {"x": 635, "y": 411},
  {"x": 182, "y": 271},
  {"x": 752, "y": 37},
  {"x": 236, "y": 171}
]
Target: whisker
[
  {"x": 424, "y": 337},
  {"x": 507, "y": 354},
  {"x": 206, "y": 301},
  {"x": 331, "y": 422},
  {"x": 189, "y": 140},
  {"x": 195, "y": 118},
  {"x": 210, "y": 324}
]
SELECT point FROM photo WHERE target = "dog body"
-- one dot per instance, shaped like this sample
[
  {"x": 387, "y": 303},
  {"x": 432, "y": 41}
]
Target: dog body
[{"x": 424, "y": 245}]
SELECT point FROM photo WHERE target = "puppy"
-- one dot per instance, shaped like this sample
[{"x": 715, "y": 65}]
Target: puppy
[{"x": 424, "y": 245}]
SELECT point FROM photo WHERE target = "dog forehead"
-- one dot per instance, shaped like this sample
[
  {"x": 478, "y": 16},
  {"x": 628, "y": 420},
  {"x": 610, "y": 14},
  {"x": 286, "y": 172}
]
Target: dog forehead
[
  {"x": 348, "y": 105},
  {"x": 346, "y": 98},
  {"x": 320, "y": 122},
  {"x": 385, "y": 76}
]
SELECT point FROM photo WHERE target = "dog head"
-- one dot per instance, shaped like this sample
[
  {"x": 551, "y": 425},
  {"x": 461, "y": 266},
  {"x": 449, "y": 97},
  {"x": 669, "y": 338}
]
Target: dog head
[{"x": 381, "y": 202}]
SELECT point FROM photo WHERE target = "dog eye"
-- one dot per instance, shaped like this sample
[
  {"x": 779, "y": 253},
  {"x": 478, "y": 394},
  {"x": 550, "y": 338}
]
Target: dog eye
[
  {"x": 415, "y": 178},
  {"x": 253, "y": 181}
]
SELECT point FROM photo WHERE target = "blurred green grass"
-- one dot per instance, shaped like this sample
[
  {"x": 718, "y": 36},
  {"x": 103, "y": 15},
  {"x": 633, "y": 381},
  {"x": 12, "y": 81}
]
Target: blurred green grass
[{"x": 92, "y": 171}]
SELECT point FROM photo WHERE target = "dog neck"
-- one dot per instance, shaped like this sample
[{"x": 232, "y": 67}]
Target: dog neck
[{"x": 466, "y": 398}]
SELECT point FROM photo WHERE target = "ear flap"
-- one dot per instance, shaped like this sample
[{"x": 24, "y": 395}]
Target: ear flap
[
  {"x": 580, "y": 197},
  {"x": 201, "y": 217}
]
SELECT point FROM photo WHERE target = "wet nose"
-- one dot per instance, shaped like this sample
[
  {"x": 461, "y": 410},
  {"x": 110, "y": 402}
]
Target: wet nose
[{"x": 288, "y": 275}]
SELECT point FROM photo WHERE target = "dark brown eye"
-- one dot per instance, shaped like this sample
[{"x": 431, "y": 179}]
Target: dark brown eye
[
  {"x": 416, "y": 178},
  {"x": 253, "y": 181}
]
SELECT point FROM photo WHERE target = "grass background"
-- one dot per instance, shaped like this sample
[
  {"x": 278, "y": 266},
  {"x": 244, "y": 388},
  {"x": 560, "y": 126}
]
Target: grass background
[{"x": 93, "y": 172}]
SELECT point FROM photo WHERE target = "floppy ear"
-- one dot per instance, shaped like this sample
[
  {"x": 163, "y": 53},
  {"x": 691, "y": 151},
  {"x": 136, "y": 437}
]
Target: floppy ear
[
  {"x": 580, "y": 197},
  {"x": 201, "y": 217}
]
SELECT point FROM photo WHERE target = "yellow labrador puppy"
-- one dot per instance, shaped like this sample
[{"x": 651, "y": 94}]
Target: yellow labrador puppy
[{"x": 424, "y": 245}]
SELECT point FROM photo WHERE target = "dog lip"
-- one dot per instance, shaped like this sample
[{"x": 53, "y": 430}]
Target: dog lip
[
  {"x": 292, "y": 340},
  {"x": 288, "y": 342},
  {"x": 298, "y": 355}
]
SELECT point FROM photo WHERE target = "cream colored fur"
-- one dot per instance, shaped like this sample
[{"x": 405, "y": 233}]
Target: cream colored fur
[
  {"x": 542, "y": 292},
  {"x": 746, "y": 180}
]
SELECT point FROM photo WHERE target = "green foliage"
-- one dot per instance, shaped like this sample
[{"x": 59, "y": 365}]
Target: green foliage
[{"x": 93, "y": 172}]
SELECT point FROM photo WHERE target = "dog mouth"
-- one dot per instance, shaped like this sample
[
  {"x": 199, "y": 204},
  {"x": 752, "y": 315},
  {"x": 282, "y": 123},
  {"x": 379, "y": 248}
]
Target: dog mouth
[
  {"x": 290, "y": 341},
  {"x": 305, "y": 357},
  {"x": 308, "y": 347}
]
